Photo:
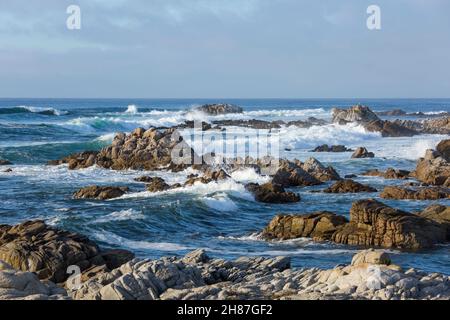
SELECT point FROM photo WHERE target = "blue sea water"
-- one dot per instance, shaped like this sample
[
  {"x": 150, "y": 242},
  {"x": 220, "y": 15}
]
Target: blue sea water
[{"x": 220, "y": 217}]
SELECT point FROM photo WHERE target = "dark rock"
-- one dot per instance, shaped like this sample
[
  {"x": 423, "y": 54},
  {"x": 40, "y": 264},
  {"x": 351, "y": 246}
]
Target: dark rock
[
  {"x": 389, "y": 174},
  {"x": 362, "y": 153},
  {"x": 349, "y": 186},
  {"x": 220, "y": 108},
  {"x": 326, "y": 148},
  {"x": 392, "y": 113},
  {"x": 100, "y": 193},
  {"x": 5, "y": 163},
  {"x": 444, "y": 149},
  {"x": 430, "y": 193},
  {"x": 439, "y": 214},
  {"x": 157, "y": 184},
  {"x": 350, "y": 176},
  {"x": 271, "y": 193}
]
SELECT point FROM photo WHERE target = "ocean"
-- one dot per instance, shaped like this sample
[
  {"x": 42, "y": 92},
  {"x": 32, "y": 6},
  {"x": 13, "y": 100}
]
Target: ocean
[{"x": 221, "y": 217}]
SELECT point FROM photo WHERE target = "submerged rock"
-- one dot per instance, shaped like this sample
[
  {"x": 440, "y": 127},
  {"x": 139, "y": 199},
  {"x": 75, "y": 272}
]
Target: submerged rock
[
  {"x": 349, "y": 186},
  {"x": 35, "y": 247},
  {"x": 100, "y": 193},
  {"x": 220, "y": 108},
  {"x": 5, "y": 163},
  {"x": 362, "y": 152},
  {"x": 337, "y": 148},
  {"x": 427, "y": 193},
  {"x": 272, "y": 193}
]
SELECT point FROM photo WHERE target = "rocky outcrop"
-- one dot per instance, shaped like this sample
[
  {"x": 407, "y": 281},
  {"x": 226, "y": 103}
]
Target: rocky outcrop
[
  {"x": 439, "y": 214},
  {"x": 209, "y": 176},
  {"x": 443, "y": 148},
  {"x": 5, "y": 163},
  {"x": 372, "y": 223},
  {"x": 319, "y": 226},
  {"x": 388, "y": 174},
  {"x": 349, "y": 186},
  {"x": 157, "y": 184},
  {"x": 18, "y": 285},
  {"x": 327, "y": 148},
  {"x": 433, "y": 169},
  {"x": 35, "y": 247},
  {"x": 100, "y": 192},
  {"x": 362, "y": 152},
  {"x": 365, "y": 117},
  {"x": 439, "y": 125},
  {"x": 77, "y": 160},
  {"x": 427, "y": 193},
  {"x": 392, "y": 113},
  {"x": 220, "y": 108},
  {"x": 272, "y": 193}
]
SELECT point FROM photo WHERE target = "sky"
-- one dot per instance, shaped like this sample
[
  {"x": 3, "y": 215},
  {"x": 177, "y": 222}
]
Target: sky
[{"x": 225, "y": 49}]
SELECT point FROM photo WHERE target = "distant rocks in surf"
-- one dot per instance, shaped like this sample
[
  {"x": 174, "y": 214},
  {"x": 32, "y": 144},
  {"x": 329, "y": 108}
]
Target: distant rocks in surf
[
  {"x": 423, "y": 193},
  {"x": 372, "y": 223},
  {"x": 220, "y": 108},
  {"x": 439, "y": 125},
  {"x": 349, "y": 186},
  {"x": 327, "y": 148},
  {"x": 390, "y": 173},
  {"x": 5, "y": 162},
  {"x": 434, "y": 168},
  {"x": 362, "y": 152},
  {"x": 100, "y": 192}
]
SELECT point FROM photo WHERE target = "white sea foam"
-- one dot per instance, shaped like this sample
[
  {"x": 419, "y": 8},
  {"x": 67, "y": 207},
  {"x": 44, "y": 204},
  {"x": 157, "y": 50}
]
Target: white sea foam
[
  {"x": 44, "y": 110},
  {"x": 133, "y": 109},
  {"x": 220, "y": 202},
  {"x": 249, "y": 175},
  {"x": 123, "y": 215}
]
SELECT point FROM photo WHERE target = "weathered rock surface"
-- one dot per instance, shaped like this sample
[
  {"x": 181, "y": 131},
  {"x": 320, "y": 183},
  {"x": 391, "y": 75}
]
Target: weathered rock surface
[
  {"x": 434, "y": 169},
  {"x": 327, "y": 148},
  {"x": 349, "y": 186},
  {"x": 444, "y": 149},
  {"x": 439, "y": 214},
  {"x": 388, "y": 174},
  {"x": 320, "y": 226},
  {"x": 272, "y": 193},
  {"x": 35, "y": 247},
  {"x": 439, "y": 125},
  {"x": 100, "y": 193},
  {"x": 220, "y": 108},
  {"x": 427, "y": 193},
  {"x": 78, "y": 160},
  {"x": 362, "y": 152},
  {"x": 156, "y": 184}
]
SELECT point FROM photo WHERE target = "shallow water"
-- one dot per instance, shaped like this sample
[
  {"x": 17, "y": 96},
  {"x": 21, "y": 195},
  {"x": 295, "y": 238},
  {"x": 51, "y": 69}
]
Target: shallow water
[{"x": 221, "y": 217}]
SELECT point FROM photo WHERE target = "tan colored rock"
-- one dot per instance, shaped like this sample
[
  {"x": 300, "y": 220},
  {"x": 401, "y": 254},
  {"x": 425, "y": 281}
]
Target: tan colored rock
[
  {"x": 433, "y": 169},
  {"x": 362, "y": 152},
  {"x": 371, "y": 256},
  {"x": 349, "y": 186},
  {"x": 427, "y": 193},
  {"x": 100, "y": 192},
  {"x": 439, "y": 214},
  {"x": 272, "y": 193}
]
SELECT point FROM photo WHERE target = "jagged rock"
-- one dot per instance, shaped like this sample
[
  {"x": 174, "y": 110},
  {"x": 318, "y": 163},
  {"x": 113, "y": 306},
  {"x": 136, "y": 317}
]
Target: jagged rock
[
  {"x": 391, "y": 113},
  {"x": 433, "y": 169},
  {"x": 349, "y": 186},
  {"x": 326, "y": 148},
  {"x": 77, "y": 160},
  {"x": 5, "y": 163},
  {"x": 439, "y": 214},
  {"x": 253, "y": 123},
  {"x": 220, "y": 108},
  {"x": 364, "y": 116},
  {"x": 271, "y": 193},
  {"x": 362, "y": 152},
  {"x": 157, "y": 184},
  {"x": 371, "y": 256},
  {"x": 319, "y": 226},
  {"x": 35, "y": 247},
  {"x": 429, "y": 126},
  {"x": 316, "y": 169},
  {"x": 372, "y": 223},
  {"x": 430, "y": 193},
  {"x": 100, "y": 193},
  {"x": 389, "y": 174},
  {"x": 209, "y": 176},
  {"x": 444, "y": 149}
]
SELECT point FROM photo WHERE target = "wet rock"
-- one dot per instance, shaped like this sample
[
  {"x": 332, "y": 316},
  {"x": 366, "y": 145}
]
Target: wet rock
[
  {"x": 100, "y": 192},
  {"x": 209, "y": 176},
  {"x": 157, "y": 184},
  {"x": 433, "y": 169},
  {"x": 35, "y": 247},
  {"x": 444, "y": 149},
  {"x": 439, "y": 125},
  {"x": 337, "y": 148},
  {"x": 349, "y": 186},
  {"x": 8, "y": 170},
  {"x": 439, "y": 214},
  {"x": 362, "y": 152},
  {"x": 253, "y": 123},
  {"x": 272, "y": 193},
  {"x": 371, "y": 256},
  {"x": 428, "y": 193},
  {"x": 392, "y": 113},
  {"x": 220, "y": 108},
  {"x": 372, "y": 223},
  {"x": 5, "y": 163},
  {"x": 77, "y": 160},
  {"x": 350, "y": 176},
  {"x": 319, "y": 226},
  {"x": 389, "y": 174}
]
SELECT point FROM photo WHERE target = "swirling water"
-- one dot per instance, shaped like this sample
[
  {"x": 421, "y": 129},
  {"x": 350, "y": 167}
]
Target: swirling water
[{"x": 220, "y": 217}]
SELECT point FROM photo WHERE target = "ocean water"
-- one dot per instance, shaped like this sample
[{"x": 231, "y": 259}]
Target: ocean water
[{"x": 221, "y": 217}]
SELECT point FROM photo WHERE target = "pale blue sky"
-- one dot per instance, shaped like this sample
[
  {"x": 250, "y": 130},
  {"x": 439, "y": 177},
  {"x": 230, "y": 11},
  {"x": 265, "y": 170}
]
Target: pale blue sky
[{"x": 225, "y": 48}]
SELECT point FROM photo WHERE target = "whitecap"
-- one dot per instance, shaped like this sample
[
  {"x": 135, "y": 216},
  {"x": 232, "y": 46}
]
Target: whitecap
[{"x": 122, "y": 215}]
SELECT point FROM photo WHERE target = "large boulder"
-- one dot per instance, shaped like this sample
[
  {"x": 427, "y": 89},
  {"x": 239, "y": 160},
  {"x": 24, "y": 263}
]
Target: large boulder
[
  {"x": 371, "y": 256},
  {"x": 439, "y": 214},
  {"x": 444, "y": 149},
  {"x": 388, "y": 174},
  {"x": 427, "y": 193},
  {"x": 272, "y": 193},
  {"x": 77, "y": 160},
  {"x": 327, "y": 148},
  {"x": 35, "y": 247},
  {"x": 362, "y": 152},
  {"x": 157, "y": 184},
  {"x": 320, "y": 226},
  {"x": 349, "y": 186},
  {"x": 220, "y": 108},
  {"x": 433, "y": 169},
  {"x": 100, "y": 192},
  {"x": 373, "y": 223}
]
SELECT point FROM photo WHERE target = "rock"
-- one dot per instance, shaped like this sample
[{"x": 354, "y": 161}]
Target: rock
[
  {"x": 349, "y": 186},
  {"x": 272, "y": 193},
  {"x": 350, "y": 176},
  {"x": 77, "y": 160},
  {"x": 319, "y": 226},
  {"x": 220, "y": 108},
  {"x": 371, "y": 256},
  {"x": 5, "y": 163},
  {"x": 209, "y": 176},
  {"x": 253, "y": 123},
  {"x": 362, "y": 152},
  {"x": 100, "y": 193},
  {"x": 35, "y": 247},
  {"x": 157, "y": 184},
  {"x": 326, "y": 148},
  {"x": 433, "y": 169},
  {"x": 389, "y": 174},
  {"x": 444, "y": 149},
  {"x": 316, "y": 169},
  {"x": 439, "y": 214},
  {"x": 392, "y": 113},
  {"x": 8, "y": 170},
  {"x": 428, "y": 193},
  {"x": 372, "y": 223}
]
